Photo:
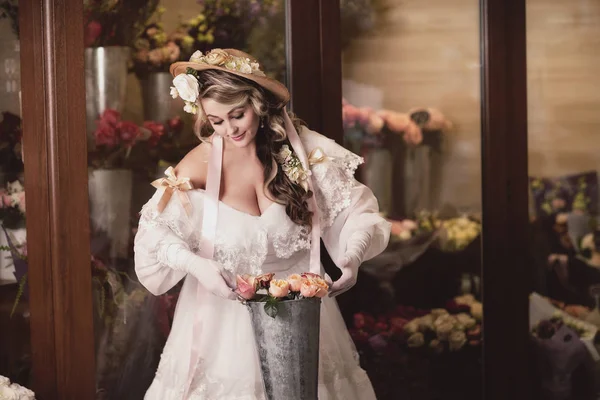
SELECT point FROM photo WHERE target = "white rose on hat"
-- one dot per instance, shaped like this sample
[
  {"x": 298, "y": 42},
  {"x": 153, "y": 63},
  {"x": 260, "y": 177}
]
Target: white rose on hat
[{"x": 187, "y": 87}]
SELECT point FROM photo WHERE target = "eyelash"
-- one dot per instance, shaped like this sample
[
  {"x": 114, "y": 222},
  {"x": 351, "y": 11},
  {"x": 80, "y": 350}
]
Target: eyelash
[{"x": 236, "y": 117}]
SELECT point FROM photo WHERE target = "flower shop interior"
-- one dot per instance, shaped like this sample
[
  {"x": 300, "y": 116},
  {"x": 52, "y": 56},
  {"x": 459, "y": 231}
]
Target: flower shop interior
[{"x": 491, "y": 191}]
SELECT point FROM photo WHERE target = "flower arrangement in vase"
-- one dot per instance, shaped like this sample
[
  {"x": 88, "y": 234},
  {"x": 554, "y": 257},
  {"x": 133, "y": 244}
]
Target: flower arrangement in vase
[
  {"x": 369, "y": 125},
  {"x": 264, "y": 288},
  {"x": 115, "y": 138},
  {"x": 154, "y": 50},
  {"x": 114, "y": 22}
]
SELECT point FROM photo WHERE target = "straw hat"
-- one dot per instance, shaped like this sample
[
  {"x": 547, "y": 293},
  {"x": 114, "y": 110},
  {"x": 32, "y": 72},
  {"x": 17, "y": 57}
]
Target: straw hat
[{"x": 235, "y": 62}]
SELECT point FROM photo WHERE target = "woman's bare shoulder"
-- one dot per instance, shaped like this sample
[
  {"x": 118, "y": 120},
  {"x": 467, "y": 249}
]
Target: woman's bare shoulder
[{"x": 195, "y": 165}]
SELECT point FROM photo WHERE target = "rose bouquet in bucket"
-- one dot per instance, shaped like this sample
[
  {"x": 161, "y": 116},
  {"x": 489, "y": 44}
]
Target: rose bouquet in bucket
[{"x": 285, "y": 315}]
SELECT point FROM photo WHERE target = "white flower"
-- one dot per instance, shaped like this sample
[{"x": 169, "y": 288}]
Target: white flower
[
  {"x": 174, "y": 92},
  {"x": 22, "y": 392},
  {"x": 457, "y": 340},
  {"x": 196, "y": 57},
  {"x": 409, "y": 224},
  {"x": 187, "y": 87},
  {"x": 190, "y": 107},
  {"x": 404, "y": 235},
  {"x": 245, "y": 68},
  {"x": 283, "y": 154},
  {"x": 587, "y": 243},
  {"x": 8, "y": 393},
  {"x": 14, "y": 187}
]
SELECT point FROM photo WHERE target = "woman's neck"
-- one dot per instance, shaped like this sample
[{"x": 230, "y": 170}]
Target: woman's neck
[{"x": 246, "y": 152}]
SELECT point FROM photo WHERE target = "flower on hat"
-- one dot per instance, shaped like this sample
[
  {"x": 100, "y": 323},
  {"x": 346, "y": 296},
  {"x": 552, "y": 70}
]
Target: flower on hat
[
  {"x": 221, "y": 58},
  {"x": 187, "y": 87}
]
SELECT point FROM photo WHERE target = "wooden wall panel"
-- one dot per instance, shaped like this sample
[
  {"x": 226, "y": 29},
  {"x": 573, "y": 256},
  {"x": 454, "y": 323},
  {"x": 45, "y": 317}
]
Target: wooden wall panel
[
  {"x": 427, "y": 53},
  {"x": 563, "y": 43}
]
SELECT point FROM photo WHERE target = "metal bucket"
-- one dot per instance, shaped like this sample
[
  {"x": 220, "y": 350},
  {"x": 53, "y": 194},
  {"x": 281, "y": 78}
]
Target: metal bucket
[
  {"x": 288, "y": 348},
  {"x": 105, "y": 81},
  {"x": 158, "y": 104}
]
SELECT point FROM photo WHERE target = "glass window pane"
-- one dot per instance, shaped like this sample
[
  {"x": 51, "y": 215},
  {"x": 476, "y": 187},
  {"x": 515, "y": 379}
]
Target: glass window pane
[
  {"x": 563, "y": 102},
  {"x": 15, "y": 349},
  {"x": 411, "y": 88},
  {"x": 135, "y": 131}
]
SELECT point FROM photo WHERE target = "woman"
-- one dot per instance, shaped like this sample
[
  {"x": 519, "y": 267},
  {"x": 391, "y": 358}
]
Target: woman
[{"x": 265, "y": 205}]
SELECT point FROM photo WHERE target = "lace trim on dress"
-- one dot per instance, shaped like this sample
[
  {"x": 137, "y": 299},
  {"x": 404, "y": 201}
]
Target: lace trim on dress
[
  {"x": 335, "y": 180},
  {"x": 289, "y": 239},
  {"x": 150, "y": 217},
  {"x": 242, "y": 259}
]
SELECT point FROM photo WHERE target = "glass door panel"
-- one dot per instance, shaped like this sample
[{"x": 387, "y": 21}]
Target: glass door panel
[
  {"x": 135, "y": 131},
  {"x": 563, "y": 103},
  {"x": 15, "y": 348},
  {"x": 411, "y": 108}
]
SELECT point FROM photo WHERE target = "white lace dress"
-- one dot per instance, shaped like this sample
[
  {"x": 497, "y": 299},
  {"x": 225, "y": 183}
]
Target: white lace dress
[{"x": 229, "y": 367}]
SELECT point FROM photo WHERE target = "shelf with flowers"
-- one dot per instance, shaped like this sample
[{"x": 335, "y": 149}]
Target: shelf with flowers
[
  {"x": 111, "y": 28},
  {"x": 400, "y": 150},
  {"x": 433, "y": 351}
]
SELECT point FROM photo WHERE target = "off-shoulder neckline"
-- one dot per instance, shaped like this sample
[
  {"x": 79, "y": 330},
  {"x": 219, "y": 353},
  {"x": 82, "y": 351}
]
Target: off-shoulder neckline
[{"x": 265, "y": 212}]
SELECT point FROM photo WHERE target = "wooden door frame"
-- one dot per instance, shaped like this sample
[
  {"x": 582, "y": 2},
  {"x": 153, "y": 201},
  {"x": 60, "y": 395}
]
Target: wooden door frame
[
  {"x": 55, "y": 150},
  {"x": 55, "y": 153},
  {"x": 505, "y": 239}
]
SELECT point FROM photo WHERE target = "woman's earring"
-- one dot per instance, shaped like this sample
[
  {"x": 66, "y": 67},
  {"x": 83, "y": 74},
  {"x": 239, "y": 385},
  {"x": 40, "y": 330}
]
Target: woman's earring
[{"x": 262, "y": 123}]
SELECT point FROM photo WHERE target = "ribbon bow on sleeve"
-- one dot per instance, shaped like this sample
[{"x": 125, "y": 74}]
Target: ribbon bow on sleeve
[
  {"x": 317, "y": 156},
  {"x": 174, "y": 184}
]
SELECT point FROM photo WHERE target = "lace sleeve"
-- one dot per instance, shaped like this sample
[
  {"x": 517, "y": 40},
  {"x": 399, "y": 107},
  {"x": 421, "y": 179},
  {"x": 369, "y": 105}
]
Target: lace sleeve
[
  {"x": 346, "y": 205},
  {"x": 157, "y": 231}
]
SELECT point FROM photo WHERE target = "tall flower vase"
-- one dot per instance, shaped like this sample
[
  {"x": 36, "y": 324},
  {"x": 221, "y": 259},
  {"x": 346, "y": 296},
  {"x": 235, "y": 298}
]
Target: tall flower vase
[
  {"x": 288, "y": 348},
  {"x": 105, "y": 80},
  {"x": 377, "y": 175},
  {"x": 158, "y": 104},
  {"x": 110, "y": 192}
]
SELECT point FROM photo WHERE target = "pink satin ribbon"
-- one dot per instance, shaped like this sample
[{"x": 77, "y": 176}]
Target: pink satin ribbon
[
  {"x": 210, "y": 218},
  {"x": 315, "y": 244},
  {"x": 207, "y": 241}
]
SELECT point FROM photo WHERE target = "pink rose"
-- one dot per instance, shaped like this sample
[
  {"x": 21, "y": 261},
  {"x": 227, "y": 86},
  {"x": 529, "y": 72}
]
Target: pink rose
[
  {"x": 246, "y": 286},
  {"x": 156, "y": 56},
  {"x": 174, "y": 51},
  {"x": 92, "y": 31},
  {"x": 128, "y": 132},
  {"x": 413, "y": 134},
  {"x": 21, "y": 200},
  {"x": 264, "y": 280},
  {"x": 111, "y": 117},
  {"x": 156, "y": 132},
  {"x": 295, "y": 282},
  {"x": 279, "y": 288},
  {"x": 396, "y": 122},
  {"x": 313, "y": 285},
  {"x": 175, "y": 124},
  {"x": 105, "y": 135},
  {"x": 375, "y": 124},
  {"x": 6, "y": 200}
]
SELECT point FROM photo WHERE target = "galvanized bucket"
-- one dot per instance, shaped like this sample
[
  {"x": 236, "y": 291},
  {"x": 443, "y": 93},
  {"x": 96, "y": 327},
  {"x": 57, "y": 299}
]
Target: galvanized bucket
[
  {"x": 158, "y": 104},
  {"x": 288, "y": 348}
]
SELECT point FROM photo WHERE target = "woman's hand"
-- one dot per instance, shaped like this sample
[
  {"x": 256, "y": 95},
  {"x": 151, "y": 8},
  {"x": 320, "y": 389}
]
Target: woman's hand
[
  {"x": 349, "y": 267},
  {"x": 356, "y": 248}
]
